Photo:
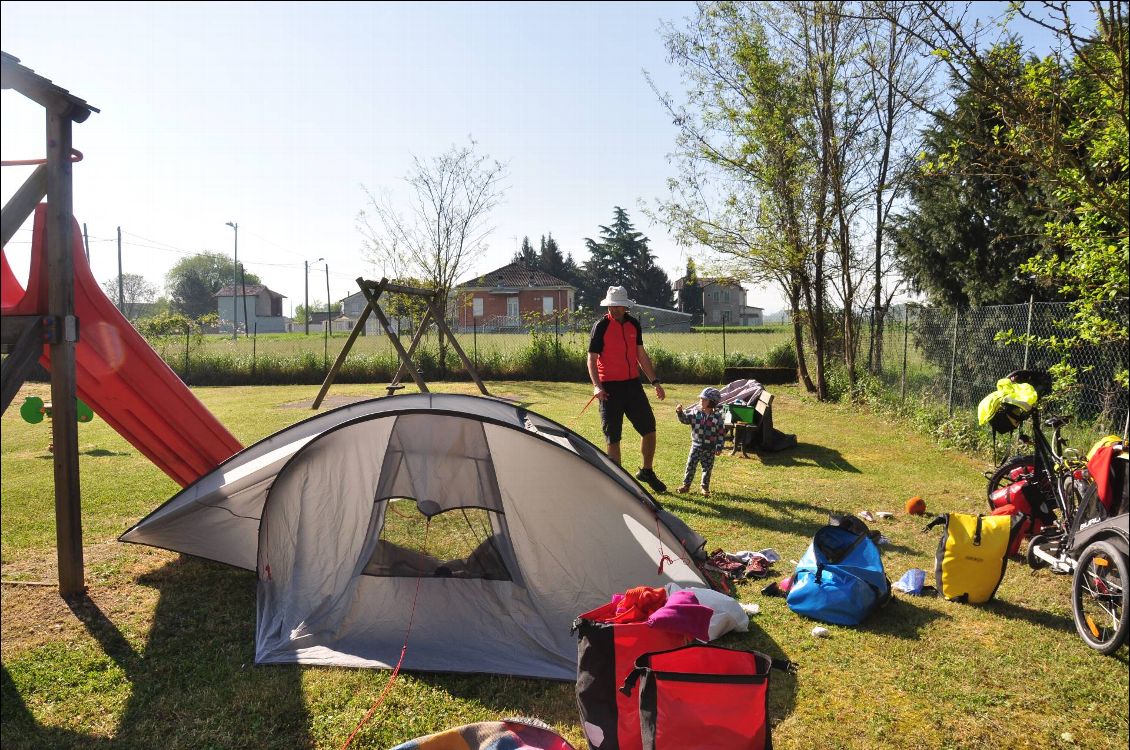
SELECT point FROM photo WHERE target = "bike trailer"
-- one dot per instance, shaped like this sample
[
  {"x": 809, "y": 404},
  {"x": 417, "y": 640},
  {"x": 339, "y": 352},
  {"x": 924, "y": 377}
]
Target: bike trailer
[
  {"x": 972, "y": 554},
  {"x": 840, "y": 579},
  {"x": 700, "y": 696},
  {"x": 606, "y": 654}
]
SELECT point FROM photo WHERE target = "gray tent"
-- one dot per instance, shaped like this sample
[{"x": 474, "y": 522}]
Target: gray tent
[{"x": 494, "y": 525}]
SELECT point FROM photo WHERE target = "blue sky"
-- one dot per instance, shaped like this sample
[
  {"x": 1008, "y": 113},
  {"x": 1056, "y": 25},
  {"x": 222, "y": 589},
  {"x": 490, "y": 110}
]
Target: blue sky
[{"x": 273, "y": 115}]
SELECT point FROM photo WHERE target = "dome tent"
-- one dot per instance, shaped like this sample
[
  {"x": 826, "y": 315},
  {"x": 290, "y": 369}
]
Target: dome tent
[{"x": 510, "y": 524}]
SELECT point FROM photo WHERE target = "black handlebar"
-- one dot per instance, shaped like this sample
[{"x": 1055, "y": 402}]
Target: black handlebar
[{"x": 1041, "y": 380}]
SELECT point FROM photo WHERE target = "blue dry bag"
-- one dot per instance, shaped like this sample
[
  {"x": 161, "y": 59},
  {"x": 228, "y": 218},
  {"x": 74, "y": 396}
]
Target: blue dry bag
[{"x": 840, "y": 579}]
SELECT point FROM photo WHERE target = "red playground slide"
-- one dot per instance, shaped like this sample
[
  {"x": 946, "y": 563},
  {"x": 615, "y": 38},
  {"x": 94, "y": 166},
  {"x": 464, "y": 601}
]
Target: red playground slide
[{"x": 118, "y": 373}]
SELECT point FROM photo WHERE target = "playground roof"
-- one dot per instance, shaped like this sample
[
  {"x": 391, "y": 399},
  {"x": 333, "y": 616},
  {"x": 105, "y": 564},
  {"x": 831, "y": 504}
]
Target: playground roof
[{"x": 41, "y": 90}]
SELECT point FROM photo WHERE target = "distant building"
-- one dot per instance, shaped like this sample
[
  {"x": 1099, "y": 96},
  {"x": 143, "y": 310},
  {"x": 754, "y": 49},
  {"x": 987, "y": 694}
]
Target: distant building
[
  {"x": 504, "y": 297},
  {"x": 723, "y": 301},
  {"x": 264, "y": 308},
  {"x": 661, "y": 320}
]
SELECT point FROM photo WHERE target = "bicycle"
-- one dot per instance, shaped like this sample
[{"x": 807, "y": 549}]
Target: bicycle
[{"x": 1053, "y": 477}]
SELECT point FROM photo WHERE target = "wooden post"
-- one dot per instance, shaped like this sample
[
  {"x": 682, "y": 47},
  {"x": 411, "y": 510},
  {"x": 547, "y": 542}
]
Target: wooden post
[
  {"x": 61, "y": 309},
  {"x": 405, "y": 358},
  {"x": 332, "y": 374},
  {"x": 421, "y": 331},
  {"x": 442, "y": 325}
]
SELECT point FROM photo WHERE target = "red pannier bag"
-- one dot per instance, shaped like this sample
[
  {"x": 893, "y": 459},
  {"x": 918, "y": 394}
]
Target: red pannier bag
[
  {"x": 702, "y": 696},
  {"x": 606, "y": 654},
  {"x": 1012, "y": 499}
]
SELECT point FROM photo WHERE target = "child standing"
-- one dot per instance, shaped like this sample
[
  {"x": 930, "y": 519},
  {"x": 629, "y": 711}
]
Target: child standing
[{"x": 707, "y": 436}]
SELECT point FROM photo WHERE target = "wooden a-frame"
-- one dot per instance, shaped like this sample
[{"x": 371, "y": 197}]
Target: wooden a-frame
[{"x": 372, "y": 291}]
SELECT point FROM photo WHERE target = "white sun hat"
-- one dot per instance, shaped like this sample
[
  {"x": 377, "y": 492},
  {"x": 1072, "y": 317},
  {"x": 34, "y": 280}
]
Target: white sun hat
[{"x": 617, "y": 296}]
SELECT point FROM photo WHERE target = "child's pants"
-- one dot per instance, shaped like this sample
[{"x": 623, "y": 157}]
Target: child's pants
[{"x": 698, "y": 453}]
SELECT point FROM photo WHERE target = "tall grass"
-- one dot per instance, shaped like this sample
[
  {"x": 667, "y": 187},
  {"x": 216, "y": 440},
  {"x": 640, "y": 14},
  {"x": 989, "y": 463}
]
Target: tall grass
[{"x": 279, "y": 359}]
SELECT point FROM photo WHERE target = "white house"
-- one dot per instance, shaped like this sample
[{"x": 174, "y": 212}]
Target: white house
[{"x": 264, "y": 308}]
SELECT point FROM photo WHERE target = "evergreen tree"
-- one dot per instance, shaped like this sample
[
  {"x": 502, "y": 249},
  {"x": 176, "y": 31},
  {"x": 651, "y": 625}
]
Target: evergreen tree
[
  {"x": 527, "y": 255},
  {"x": 550, "y": 259},
  {"x": 971, "y": 228},
  {"x": 690, "y": 296},
  {"x": 622, "y": 258}
]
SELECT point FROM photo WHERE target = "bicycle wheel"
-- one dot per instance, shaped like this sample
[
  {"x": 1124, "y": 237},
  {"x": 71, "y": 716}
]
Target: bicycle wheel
[
  {"x": 1098, "y": 597},
  {"x": 1002, "y": 476}
]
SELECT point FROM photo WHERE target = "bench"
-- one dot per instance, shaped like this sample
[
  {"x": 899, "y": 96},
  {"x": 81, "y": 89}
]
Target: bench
[{"x": 744, "y": 423}]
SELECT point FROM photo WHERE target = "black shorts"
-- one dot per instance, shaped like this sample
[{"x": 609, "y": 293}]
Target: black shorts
[{"x": 625, "y": 398}]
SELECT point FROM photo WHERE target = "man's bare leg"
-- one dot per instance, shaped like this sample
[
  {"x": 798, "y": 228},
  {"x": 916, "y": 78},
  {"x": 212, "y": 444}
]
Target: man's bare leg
[{"x": 613, "y": 451}]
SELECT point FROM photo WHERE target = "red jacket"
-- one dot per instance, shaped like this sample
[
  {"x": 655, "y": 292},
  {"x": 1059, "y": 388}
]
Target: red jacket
[{"x": 616, "y": 343}]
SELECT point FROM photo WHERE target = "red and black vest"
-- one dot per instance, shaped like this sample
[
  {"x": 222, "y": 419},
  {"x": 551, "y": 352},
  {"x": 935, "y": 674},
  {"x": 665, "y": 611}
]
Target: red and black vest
[{"x": 616, "y": 344}]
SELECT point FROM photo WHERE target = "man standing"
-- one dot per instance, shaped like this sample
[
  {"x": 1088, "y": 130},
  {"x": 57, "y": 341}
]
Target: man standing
[{"x": 616, "y": 356}]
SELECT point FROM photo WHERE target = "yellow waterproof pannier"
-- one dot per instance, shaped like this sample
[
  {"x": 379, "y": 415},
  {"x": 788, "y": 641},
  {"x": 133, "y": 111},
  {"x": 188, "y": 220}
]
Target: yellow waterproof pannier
[{"x": 972, "y": 555}]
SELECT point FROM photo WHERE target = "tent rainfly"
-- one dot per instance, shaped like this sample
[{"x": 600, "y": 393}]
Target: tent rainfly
[{"x": 497, "y": 525}]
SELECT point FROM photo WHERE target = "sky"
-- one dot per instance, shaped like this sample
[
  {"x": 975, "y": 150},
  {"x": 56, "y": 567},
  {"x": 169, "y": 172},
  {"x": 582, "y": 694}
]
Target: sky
[{"x": 274, "y": 115}]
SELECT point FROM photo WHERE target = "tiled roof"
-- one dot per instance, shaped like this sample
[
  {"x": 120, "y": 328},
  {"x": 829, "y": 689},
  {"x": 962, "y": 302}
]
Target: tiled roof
[
  {"x": 514, "y": 275},
  {"x": 249, "y": 290}
]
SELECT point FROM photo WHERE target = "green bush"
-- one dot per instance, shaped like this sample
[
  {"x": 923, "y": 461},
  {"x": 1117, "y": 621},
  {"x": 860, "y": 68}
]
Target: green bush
[{"x": 782, "y": 355}]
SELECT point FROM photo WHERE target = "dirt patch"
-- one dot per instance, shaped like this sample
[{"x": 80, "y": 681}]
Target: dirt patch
[{"x": 35, "y": 615}]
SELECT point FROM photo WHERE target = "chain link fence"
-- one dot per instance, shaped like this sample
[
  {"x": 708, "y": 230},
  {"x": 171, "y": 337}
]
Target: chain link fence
[{"x": 954, "y": 357}]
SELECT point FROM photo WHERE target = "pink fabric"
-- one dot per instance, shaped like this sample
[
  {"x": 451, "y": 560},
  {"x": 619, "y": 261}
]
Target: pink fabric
[{"x": 683, "y": 614}]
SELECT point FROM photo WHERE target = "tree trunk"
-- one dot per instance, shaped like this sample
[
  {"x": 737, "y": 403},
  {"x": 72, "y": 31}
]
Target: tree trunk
[{"x": 798, "y": 337}]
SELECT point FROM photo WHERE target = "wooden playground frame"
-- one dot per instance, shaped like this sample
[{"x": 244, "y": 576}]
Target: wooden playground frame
[{"x": 372, "y": 291}]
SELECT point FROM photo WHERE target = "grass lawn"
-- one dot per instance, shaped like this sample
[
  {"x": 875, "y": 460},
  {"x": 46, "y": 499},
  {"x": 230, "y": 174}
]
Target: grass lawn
[{"x": 161, "y": 653}]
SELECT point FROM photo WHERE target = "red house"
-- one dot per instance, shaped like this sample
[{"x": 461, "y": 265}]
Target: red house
[{"x": 505, "y": 297}]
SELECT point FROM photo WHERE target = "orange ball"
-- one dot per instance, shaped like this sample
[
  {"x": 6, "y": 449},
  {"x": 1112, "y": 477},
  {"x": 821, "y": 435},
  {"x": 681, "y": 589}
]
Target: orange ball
[{"x": 916, "y": 506}]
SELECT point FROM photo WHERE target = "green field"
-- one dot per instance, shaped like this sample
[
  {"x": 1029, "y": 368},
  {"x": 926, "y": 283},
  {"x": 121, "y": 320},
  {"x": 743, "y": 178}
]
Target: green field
[{"x": 161, "y": 654}]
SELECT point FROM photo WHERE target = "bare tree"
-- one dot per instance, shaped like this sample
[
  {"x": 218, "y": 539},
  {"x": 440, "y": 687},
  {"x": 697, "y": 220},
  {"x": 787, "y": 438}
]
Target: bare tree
[
  {"x": 444, "y": 224},
  {"x": 898, "y": 82},
  {"x": 136, "y": 290}
]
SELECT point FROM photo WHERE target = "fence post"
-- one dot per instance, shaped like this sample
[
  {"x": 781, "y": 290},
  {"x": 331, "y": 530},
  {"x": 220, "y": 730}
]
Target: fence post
[
  {"x": 871, "y": 343},
  {"x": 187, "y": 338},
  {"x": 326, "y": 347},
  {"x": 723, "y": 341},
  {"x": 475, "y": 338},
  {"x": 254, "y": 343},
  {"x": 1028, "y": 332},
  {"x": 953, "y": 357},
  {"x": 905, "y": 337},
  {"x": 557, "y": 337}
]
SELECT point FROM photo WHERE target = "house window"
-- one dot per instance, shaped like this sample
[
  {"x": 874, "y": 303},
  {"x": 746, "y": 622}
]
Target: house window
[
  {"x": 512, "y": 308},
  {"x": 547, "y": 305},
  {"x": 477, "y": 307},
  {"x": 716, "y": 295},
  {"x": 726, "y": 316},
  {"x": 726, "y": 297}
]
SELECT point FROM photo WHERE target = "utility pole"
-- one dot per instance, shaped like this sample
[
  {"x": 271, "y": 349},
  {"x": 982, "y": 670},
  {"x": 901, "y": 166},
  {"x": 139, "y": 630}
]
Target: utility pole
[
  {"x": 326, "y": 340},
  {"x": 306, "y": 305},
  {"x": 121, "y": 292},
  {"x": 235, "y": 285}
]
